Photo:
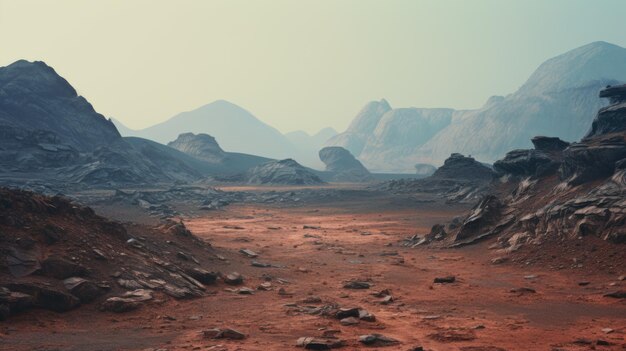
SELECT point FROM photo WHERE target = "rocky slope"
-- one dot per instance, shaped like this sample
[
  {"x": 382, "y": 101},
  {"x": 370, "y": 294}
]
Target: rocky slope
[
  {"x": 57, "y": 255},
  {"x": 556, "y": 100},
  {"x": 342, "y": 165},
  {"x": 557, "y": 191}
]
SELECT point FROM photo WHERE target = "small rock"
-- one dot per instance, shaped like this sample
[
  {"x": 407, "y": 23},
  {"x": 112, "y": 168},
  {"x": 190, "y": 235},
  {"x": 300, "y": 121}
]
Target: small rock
[
  {"x": 620, "y": 294},
  {"x": 349, "y": 321},
  {"x": 445, "y": 280},
  {"x": 357, "y": 285},
  {"x": 377, "y": 340},
  {"x": 233, "y": 278},
  {"x": 249, "y": 253}
]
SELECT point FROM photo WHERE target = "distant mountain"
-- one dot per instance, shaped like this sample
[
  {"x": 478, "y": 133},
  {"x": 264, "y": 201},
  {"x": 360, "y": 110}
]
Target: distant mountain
[
  {"x": 34, "y": 97},
  {"x": 309, "y": 145},
  {"x": 359, "y": 131},
  {"x": 51, "y": 135},
  {"x": 559, "y": 99},
  {"x": 236, "y": 129}
]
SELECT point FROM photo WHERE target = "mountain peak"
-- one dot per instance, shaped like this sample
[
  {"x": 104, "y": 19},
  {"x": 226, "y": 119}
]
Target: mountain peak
[
  {"x": 596, "y": 61},
  {"x": 34, "y": 77}
]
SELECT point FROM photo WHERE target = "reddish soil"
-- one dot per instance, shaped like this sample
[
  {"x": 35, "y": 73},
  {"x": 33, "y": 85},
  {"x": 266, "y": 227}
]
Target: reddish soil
[{"x": 477, "y": 312}]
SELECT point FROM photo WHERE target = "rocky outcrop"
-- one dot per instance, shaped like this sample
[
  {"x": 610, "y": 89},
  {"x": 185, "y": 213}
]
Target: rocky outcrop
[
  {"x": 460, "y": 179},
  {"x": 283, "y": 172},
  {"x": 461, "y": 167},
  {"x": 584, "y": 198},
  {"x": 202, "y": 146},
  {"x": 343, "y": 165},
  {"x": 610, "y": 119},
  {"x": 543, "y": 160}
]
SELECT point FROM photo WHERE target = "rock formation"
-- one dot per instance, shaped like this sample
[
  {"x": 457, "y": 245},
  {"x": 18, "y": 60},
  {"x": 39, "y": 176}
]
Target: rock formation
[
  {"x": 283, "y": 172},
  {"x": 343, "y": 165},
  {"x": 557, "y": 99},
  {"x": 460, "y": 179},
  {"x": 202, "y": 146},
  {"x": 558, "y": 191}
]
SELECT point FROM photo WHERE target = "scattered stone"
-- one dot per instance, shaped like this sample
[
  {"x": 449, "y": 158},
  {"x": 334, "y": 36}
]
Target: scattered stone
[
  {"x": 201, "y": 275},
  {"x": 523, "y": 290},
  {"x": 357, "y": 285},
  {"x": 584, "y": 283},
  {"x": 131, "y": 300},
  {"x": 452, "y": 335},
  {"x": 245, "y": 291},
  {"x": 314, "y": 227},
  {"x": 223, "y": 334},
  {"x": 499, "y": 260},
  {"x": 260, "y": 264},
  {"x": 249, "y": 253},
  {"x": 619, "y": 294},
  {"x": 349, "y": 321},
  {"x": 377, "y": 340},
  {"x": 445, "y": 280},
  {"x": 265, "y": 286},
  {"x": 313, "y": 343},
  {"x": 233, "y": 278},
  {"x": 283, "y": 292},
  {"x": 312, "y": 299}
]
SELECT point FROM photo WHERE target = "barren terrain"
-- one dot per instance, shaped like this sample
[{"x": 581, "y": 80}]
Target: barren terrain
[{"x": 316, "y": 248}]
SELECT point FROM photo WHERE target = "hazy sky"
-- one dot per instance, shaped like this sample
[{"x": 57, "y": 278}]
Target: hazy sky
[{"x": 297, "y": 64}]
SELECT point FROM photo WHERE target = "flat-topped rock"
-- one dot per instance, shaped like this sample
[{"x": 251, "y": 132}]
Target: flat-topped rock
[{"x": 458, "y": 166}]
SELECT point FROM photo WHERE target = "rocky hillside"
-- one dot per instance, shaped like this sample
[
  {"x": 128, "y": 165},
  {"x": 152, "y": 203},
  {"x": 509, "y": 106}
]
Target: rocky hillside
[
  {"x": 556, "y": 100},
  {"x": 35, "y": 99},
  {"x": 57, "y": 255},
  {"x": 557, "y": 191}
]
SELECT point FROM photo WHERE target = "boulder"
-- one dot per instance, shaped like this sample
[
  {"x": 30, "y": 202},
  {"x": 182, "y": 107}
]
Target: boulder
[{"x": 84, "y": 289}]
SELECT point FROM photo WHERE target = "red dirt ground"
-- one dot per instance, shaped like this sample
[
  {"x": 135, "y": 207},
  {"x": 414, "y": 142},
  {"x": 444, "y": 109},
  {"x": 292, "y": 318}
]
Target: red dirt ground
[{"x": 478, "y": 306}]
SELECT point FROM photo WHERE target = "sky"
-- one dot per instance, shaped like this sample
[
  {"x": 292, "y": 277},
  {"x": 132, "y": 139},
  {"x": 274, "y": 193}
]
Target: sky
[{"x": 298, "y": 64}]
